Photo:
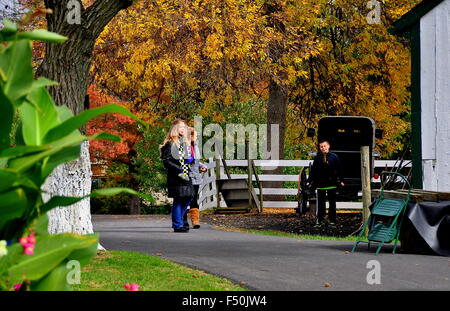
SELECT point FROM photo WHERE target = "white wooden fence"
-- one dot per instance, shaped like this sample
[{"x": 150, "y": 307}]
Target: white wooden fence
[{"x": 208, "y": 192}]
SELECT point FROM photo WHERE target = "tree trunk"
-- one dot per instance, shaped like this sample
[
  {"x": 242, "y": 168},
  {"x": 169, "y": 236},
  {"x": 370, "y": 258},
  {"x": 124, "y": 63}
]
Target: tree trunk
[
  {"x": 134, "y": 202},
  {"x": 71, "y": 179},
  {"x": 276, "y": 114},
  {"x": 69, "y": 65},
  {"x": 278, "y": 96},
  {"x": 135, "y": 205}
]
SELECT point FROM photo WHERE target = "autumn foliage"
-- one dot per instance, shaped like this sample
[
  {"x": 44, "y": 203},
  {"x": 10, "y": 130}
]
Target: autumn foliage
[
  {"x": 166, "y": 59},
  {"x": 123, "y": 126},
  {"x": 180, "y": 58},
  {"x": 185, "y": 58}
]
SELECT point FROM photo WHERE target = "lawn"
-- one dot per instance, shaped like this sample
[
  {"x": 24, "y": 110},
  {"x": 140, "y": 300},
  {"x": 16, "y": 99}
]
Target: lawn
[{"x": 111, "y": 270}]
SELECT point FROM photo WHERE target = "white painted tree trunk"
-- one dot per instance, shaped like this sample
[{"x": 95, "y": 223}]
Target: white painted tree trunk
[{"x": 71, "y": 179}]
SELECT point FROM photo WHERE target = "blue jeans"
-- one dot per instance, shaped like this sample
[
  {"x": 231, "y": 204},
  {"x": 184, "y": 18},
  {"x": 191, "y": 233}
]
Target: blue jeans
[{"x": 179, "y": 207}]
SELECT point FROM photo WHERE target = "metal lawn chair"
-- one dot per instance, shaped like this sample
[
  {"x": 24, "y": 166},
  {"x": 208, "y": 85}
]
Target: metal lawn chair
[{"x": 385, "y": 218}]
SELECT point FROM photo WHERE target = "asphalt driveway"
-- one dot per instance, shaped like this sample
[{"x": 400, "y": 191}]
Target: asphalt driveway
[{"x": 274, "y": 263}]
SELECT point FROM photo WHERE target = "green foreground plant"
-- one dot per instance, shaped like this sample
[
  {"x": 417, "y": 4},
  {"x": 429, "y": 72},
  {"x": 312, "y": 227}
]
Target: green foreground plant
[{"x": 46, "y": 136}]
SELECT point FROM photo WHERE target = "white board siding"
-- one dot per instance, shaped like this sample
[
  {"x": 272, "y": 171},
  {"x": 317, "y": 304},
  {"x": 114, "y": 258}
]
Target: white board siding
[
  {"x": 435, "y": 96},
  {"x": 443, "y": 95},
  {"x": 428, "y": 85}
]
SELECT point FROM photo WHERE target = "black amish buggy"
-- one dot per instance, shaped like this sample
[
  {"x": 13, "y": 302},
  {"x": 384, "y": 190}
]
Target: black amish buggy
[{"x": 346, "y": 134}]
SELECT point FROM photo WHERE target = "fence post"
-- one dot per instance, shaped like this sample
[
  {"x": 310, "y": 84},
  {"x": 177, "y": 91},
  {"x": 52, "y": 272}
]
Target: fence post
[
  {"x": 365, "y": 182},
  {"x": 250, "y": 184},
  {"x": 261, "y": 198}
]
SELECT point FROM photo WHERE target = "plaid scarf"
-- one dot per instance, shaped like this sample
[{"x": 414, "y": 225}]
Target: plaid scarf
[{"x": 184, "y": 166}]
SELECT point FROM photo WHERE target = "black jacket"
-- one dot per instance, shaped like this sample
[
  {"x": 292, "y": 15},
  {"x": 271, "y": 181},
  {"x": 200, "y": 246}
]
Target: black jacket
[
  {"x": 325, "y": 172},
  {"x": 177, "y": 187}
]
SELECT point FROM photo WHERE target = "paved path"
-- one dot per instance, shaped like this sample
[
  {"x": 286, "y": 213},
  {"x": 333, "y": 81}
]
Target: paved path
[{"x": 269, "y": 262}]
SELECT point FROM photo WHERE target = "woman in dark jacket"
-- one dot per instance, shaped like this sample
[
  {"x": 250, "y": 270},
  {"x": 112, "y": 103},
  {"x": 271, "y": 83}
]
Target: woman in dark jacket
[{"x": 175, "y": 153}]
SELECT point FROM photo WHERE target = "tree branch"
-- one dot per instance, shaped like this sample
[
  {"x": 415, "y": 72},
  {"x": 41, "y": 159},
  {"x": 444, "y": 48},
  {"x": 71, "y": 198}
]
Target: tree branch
[{"x": 99, "y": 14}]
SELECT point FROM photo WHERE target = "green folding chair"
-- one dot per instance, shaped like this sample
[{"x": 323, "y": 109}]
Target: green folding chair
[{"x": 385, "y": 219}]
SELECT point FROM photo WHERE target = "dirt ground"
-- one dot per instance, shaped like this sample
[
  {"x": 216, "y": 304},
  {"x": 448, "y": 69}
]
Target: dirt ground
[{"x": 286, "y": 220}]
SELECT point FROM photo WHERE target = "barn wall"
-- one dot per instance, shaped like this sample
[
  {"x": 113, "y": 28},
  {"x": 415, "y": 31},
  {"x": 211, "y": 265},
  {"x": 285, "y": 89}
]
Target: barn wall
[{"x": 435, "y": 96}]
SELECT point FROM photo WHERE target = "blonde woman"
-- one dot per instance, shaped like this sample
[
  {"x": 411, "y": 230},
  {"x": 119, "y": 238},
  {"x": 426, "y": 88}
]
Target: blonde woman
[{"x": 175, "y": 154}]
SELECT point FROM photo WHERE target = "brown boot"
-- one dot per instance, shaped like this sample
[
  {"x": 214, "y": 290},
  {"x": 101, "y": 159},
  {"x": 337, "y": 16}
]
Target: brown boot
[{"x": 195, "y": 215}]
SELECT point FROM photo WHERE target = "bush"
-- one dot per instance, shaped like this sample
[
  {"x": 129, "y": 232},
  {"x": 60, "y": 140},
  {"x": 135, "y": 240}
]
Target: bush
[
  {"x": 150, "y": 171},
  {"x": 117, "y": 205}
]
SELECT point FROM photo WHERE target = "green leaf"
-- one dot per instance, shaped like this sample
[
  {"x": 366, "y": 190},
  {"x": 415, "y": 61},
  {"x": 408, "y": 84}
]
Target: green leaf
[
  {"x": 63, "y": 156},
  {"x": 83, "y": 255},
  {"x": 43, "y": 82},
  {"x": 7, "y": 178},
  {"x": 71, "y": 153},
  {"x": 64, "y": 113},
  {"x": 39, "y": 118},
  {"x": 14, "y": 251},
  {"x": 18, "y": 134},
  {"x": 106, "y": 136},
  {"x": 10, "y": 179},
  {"x": 4, "y": 62},
  {"x": 9, "y": 28},
  {"x": 41, "y": 225},
  {"x": 12, "y": 205},
  {"x": 55, "y": 280},
  {"x": 7, "y": 115},
  {"x": 57, "y": 201},
  {"x": 20, "y": 151},
  {"x": 50, "y": 251},
  {"x": 42, "y": 35},
  {"x": 81, "y": 119},
  {"x": 23, "y": 163},
  {"x": 66, "y": 146},
  {"x": 20, "y": 71}
]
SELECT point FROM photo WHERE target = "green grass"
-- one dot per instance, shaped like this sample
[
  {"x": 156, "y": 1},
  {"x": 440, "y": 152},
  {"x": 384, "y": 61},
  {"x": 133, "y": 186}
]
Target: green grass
[
  {"x": 111, "y": 270},
  {"x": 292, "y": 235}
]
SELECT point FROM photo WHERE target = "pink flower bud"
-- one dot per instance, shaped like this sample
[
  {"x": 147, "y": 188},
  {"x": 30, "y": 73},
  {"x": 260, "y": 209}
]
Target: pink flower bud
[
  {"x": 28, "y": 244},
  {"x": 133, "y": 287},
  {"x": 17, "y": 287},
  {"x": 31, "y": 239},
  {"x": 23, "y": 240},
  {"x": 28, "y": 251}
]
